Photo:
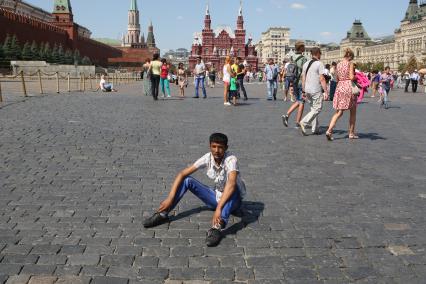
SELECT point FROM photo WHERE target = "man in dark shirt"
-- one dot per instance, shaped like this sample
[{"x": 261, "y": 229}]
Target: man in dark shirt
[{"x": 240, "y": 77}]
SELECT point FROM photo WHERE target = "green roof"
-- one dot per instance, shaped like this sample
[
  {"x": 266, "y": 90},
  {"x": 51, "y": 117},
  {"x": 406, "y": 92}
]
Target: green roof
[
  {"x": 62, "y": 7},
  {"x": 133, "y": 5},
  {"x": 358, "y": 32}
]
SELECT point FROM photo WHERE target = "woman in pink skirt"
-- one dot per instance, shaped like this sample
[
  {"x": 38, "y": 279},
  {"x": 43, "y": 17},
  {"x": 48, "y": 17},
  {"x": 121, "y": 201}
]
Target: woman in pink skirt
[{"x": 343, "y": 98}]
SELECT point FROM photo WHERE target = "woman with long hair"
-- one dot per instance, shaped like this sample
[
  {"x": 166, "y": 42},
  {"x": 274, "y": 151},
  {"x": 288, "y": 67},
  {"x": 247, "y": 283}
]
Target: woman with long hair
[
  {"x": 344, "y": 99},
  {"x": 226, "y": 80},
  {"x": 182, "y": 79},
  {"x": 164, "y": 78},
  {"x": 146, "y": 76}
]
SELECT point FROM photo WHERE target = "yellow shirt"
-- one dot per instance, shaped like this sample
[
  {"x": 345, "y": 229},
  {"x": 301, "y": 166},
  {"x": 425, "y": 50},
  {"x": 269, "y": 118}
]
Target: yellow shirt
[
  {"x": 156, "y": 67},
  {"x": 234, "y": 68}
]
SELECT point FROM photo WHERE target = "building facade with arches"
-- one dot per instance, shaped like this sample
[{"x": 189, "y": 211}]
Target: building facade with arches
[{"x": 393, "y": 51}]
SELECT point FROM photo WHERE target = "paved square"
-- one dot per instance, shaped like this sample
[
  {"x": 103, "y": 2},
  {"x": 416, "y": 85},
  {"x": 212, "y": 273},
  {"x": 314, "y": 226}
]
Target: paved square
[{"x": 78, "y": 172}]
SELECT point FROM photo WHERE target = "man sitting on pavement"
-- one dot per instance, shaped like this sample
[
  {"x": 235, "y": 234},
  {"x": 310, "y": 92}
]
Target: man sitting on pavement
[
  {"x": 104, "y": 86},
  {"x": 225, "y": 198}
]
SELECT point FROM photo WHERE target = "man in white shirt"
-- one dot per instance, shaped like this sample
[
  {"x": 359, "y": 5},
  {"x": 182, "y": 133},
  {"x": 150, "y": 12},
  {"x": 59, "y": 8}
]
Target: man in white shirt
[
  {"x": 104, "y": 86},
  {"x": 314, "y": 88},
  {"x": 225, "y": 197},
  {"x": 200, "y": 75},
  {"x": 415, "y": 77}
]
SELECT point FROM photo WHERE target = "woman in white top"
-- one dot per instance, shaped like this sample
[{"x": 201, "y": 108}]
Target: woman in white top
[{"x": 226, "y": 80}]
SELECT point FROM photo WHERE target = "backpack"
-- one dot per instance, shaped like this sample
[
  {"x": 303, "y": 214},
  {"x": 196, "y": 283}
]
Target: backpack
[
  {"x": 299, "y": 68},
  {"x": 275, "y": 73},
  {"x": 291, "y": 71}
]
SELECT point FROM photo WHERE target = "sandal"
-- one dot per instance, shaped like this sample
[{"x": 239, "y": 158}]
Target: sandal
[
  {"x": 353, "y": 136},
  {"x": 329, "y": 136}
]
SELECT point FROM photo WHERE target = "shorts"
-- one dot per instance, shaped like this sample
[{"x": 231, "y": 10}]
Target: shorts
[
  {"x": 297, "y": 92},
  {"x": 287, "y": 82},
  {"x": 233, "y": 93}
]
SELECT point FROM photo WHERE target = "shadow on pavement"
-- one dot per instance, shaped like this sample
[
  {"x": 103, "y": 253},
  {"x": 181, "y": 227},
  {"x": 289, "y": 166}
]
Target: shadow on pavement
[{"x": 249, "y": 213}]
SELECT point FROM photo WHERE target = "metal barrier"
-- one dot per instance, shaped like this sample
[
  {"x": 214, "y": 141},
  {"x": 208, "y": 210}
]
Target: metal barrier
[{"x": 116, "y": 79}]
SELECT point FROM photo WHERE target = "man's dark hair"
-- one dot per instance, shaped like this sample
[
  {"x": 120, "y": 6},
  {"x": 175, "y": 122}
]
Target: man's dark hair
[
  {"x": 164, "y": 60},
  {"x": 315, "y": 51},
  {"x": 334, "y": 63},
  {"x": 327, "y": 66},
  {"x": 239, "y": 58},
  {"x": 155, "y": 56},
  {"x": 219, "y": 138}
]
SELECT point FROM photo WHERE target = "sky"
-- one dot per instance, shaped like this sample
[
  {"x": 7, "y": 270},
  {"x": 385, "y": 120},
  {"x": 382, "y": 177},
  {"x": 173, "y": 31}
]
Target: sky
[{"x": 175, "y": 21}]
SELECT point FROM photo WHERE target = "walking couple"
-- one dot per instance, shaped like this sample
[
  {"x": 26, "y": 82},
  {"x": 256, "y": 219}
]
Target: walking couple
[{"x": 314, "y": 89}]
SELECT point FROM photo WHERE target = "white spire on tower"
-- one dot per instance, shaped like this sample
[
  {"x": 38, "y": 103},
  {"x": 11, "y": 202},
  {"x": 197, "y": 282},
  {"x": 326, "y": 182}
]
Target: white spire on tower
[{"x": 207, "y": 9}]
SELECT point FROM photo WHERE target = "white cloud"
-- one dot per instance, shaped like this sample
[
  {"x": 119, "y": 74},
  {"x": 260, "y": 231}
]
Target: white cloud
[
  {"x": 179, "y": 18},
  {"x": 259, "y": 10},
  {"x": 326, "y": 34},
  {"x": 298, "y": 6}
]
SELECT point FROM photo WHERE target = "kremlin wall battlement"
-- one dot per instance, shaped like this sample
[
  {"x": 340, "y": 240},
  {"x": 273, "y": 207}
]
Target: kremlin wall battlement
[{"x": 30, "y": 29}]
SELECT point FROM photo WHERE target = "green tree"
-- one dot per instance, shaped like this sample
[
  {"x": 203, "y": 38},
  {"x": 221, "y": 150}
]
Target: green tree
[
  {"x": 34, "y": 51},
  {"x": 86, "y": 61},
  {"x": 379, "y": 66},
  {"x": 401, "y": 67},
  {"x": 61, "y": 55},
  {"x": 15, "y": 48},
  {"x": 69, "y": 57},
  {"x": 7, "y": 48},
  {"x": 26, "y": 52},
  {"x": 47, "y": 53},
  {"x": 55, "y": 57},
  {"x": 411, "y": 64},
  {"x": 77, "y": 57}
]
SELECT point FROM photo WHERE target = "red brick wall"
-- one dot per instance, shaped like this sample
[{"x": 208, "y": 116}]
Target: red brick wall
[{"x": 28, "y": 29}]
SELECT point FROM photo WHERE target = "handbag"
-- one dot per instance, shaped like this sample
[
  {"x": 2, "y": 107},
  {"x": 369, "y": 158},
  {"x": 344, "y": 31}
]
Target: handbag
[{"x": 355, "y": 89}]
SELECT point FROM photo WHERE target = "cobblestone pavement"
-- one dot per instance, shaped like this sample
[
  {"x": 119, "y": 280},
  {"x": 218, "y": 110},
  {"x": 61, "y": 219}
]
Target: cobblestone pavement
[{"x": 78, "y": 172}]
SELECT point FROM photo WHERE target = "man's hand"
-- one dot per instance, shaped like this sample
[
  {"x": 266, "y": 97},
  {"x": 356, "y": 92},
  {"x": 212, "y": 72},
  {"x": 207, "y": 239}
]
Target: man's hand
[
  {"x": 216, "y": 217},
  {"x": 326, "y": 96},
  {"x": 165, "y": 205}
]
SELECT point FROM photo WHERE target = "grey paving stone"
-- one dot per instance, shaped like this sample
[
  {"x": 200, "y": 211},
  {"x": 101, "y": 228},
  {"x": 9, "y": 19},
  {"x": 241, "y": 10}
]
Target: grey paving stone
[
  {"x": 18, "y": 279},
  {"x": 203, "y": 262},
  {"x": 52, "y": 259},
  {"x": 42, "y": 280},
  {"x": 83, "y": 259},
  {"x": 186, "y": 274},
  {"x": 34, "y": 269},
  {"x": 73, "y": 280},
  {"x": 109, "y": 280},
  {"x": 20, "y": 259},
  {"x": 154, "y": 273},
  {"x": 10, "y": 269},
  {"x": 117, "y": 260},
  {"x": 89, "y": 270},
  {"x": 146, "y": 261},
  {"x": 67, "y": 270},
  {"x": 219, "y": 273},
  {"x": 170, "y": 262}
]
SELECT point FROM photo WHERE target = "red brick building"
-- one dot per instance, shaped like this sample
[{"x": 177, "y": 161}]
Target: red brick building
[
  {"x": 214, "y": 45},
  {"x": 55, "y": 28}
]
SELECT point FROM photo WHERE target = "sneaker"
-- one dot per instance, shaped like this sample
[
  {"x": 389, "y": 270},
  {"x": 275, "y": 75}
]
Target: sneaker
[
  {"x": 227, "y": 104},
  {"x": 285, "y": 120},
  {"x": 195, "y": 97},
  {"x": 297, "y": 125},
  {"x": 155, "y": 220},
  {"x": 214, "y": 236},
  {"x": 302, "y": 129}
]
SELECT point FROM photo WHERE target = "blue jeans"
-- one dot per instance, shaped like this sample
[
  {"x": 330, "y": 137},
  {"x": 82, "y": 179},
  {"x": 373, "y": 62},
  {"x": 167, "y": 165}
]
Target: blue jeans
[
  {"x": 165, "y": 86},
  {"x": 271, "y": 85},
  {"x": 198, "y": 81},
  {"x": 208, "y": 196}
]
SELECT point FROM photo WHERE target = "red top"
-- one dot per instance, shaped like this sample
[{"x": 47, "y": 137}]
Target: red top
[{"x": 164, "y": 71}]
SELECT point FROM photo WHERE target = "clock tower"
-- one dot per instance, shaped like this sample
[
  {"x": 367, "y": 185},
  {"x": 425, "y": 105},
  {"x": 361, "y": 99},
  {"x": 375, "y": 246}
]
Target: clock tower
[{"x": 63, "y": 17}]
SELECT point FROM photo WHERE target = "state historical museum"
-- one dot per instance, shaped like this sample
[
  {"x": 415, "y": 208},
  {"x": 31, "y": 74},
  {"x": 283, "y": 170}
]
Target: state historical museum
[{"x": 214, "y": 45}]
